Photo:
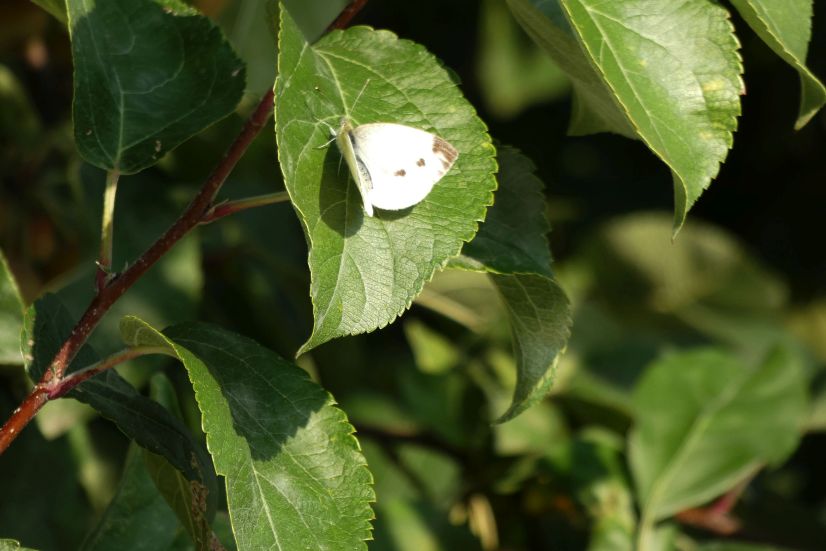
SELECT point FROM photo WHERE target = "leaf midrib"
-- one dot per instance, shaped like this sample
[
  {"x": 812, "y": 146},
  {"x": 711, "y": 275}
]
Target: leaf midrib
[{"x": 697, "y": 428}]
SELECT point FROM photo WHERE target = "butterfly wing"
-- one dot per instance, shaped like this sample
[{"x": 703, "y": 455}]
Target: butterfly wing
[{"x": 403, "y": 163}]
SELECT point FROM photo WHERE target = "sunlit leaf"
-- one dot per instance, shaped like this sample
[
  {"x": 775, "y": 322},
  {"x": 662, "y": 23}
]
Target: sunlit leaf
[
  {"x": 294, "y": 474},
  {"x": 668, "y": 75},
  {"x": 787, "y": 28},
  {"x": 367, "y": 270}
]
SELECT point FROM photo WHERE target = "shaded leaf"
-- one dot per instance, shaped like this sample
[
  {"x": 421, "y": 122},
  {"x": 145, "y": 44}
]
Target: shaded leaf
[
  {"x": 148, "y": 75},
  {"x": 540, "y": 322},
  {"x": 669, "y": 76},
  {"x": 48, "y": 324},
  {"x": 137, "y": 517},
  {"x": 787, "y": 28},
  {"x": 535, "y": 431},
  {"x": 513, "y": 237},
  {"x": 366, "y": 270},
  {"x": 512, "y": 245},
  {"x": 314, "y": 16},
  {"x": 415, "y": 525},
  {"x": 406, "y": 521},
  {"x": 434, "y": 352},
  {"x": 594, "y": 109},
  {"x": 11, "y": 316},
  {"x": 295, "y": 477},
  {"x": 42, "y": 503},
  {"x": 188, "y": 499},
  {"x": 704, "y": 421}
]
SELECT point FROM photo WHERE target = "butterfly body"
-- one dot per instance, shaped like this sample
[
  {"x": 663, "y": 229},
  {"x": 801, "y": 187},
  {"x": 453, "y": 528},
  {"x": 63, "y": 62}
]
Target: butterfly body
[{"x": 395, "y": 166}]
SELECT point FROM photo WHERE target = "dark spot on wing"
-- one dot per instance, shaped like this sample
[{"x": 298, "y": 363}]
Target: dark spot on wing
[
  {"x": 446, "y": 152},
  {"x": 420, "y": 162},
  {"x": 400, "y": 172}
]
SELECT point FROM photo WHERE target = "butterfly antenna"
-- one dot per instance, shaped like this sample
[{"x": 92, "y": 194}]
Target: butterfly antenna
[{"x": 363, "y": 88}]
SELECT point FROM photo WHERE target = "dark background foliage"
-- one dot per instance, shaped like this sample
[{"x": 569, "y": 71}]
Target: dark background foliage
[{"x": 770, "y": 194}]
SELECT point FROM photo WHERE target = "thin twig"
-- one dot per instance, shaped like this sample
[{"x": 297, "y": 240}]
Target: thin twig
[
  {"x": 67, "y": 383},
  {"x": 344, "y": 18},
  {"x": 114, "y": 287},
  {"x": 226, "y": 208},
  {"x": 117, "y": 286}
]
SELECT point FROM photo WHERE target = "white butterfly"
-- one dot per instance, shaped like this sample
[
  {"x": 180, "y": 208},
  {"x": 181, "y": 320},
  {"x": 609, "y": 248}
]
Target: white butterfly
[{"x": 394, "y": 166}]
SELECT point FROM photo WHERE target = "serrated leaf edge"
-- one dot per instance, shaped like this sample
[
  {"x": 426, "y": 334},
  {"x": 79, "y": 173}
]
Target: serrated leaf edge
[
  {"x": 681, "y": 205},
  {"x": 386, "y": 35}
]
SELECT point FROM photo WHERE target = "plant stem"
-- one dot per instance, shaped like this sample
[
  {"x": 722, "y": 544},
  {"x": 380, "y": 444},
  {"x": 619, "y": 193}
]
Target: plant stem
[
  {"x": 22, "y": 415},
  {"x": 113, "y": 289},
  {"x": 43, "y": 392},
  {"x": 73, "y": 379},
  {"x": 116, "y": 287},
  {"x": 107, "y": 230},
  {"x": 347, "y": 15},
  {"x": 231, "y": 207}
]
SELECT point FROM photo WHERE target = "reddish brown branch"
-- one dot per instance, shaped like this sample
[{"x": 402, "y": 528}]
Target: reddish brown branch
[
  {"x": 52, "y": 383},
  {"x": 347, "y": 15},
  {"x": 115, "y": 288},
  {"x": 717, "y": 517},
  {"x": 22, "y": 415}
]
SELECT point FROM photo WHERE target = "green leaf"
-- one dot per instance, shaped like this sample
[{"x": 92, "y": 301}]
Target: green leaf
[
  {"x": 670, "y": 77},
  {"x": 704, "y": 421},
  {"x": 148, "y": 75},
  {"x": 137, "y": 517},
  {"x": 407, "y": 520},
  {"x": 295, "y": 477},
  {"x": 594, "y": 106},
  {"x": 511, "y": 244},
  {"x": 534, "y": 432},
  {"x": 540, "y": 323},
  {"x": 12, "y": 545},
  {"x": 366, "y": 270},
  {"x": 55, "y": 7},
  {"x": 48, "y": 324},
  {"x": 512, "y": 239},
  {"x": 787, "y": 28},
  {"x": 11, "y": 316},
  {"x": 188, "y": 499}
]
